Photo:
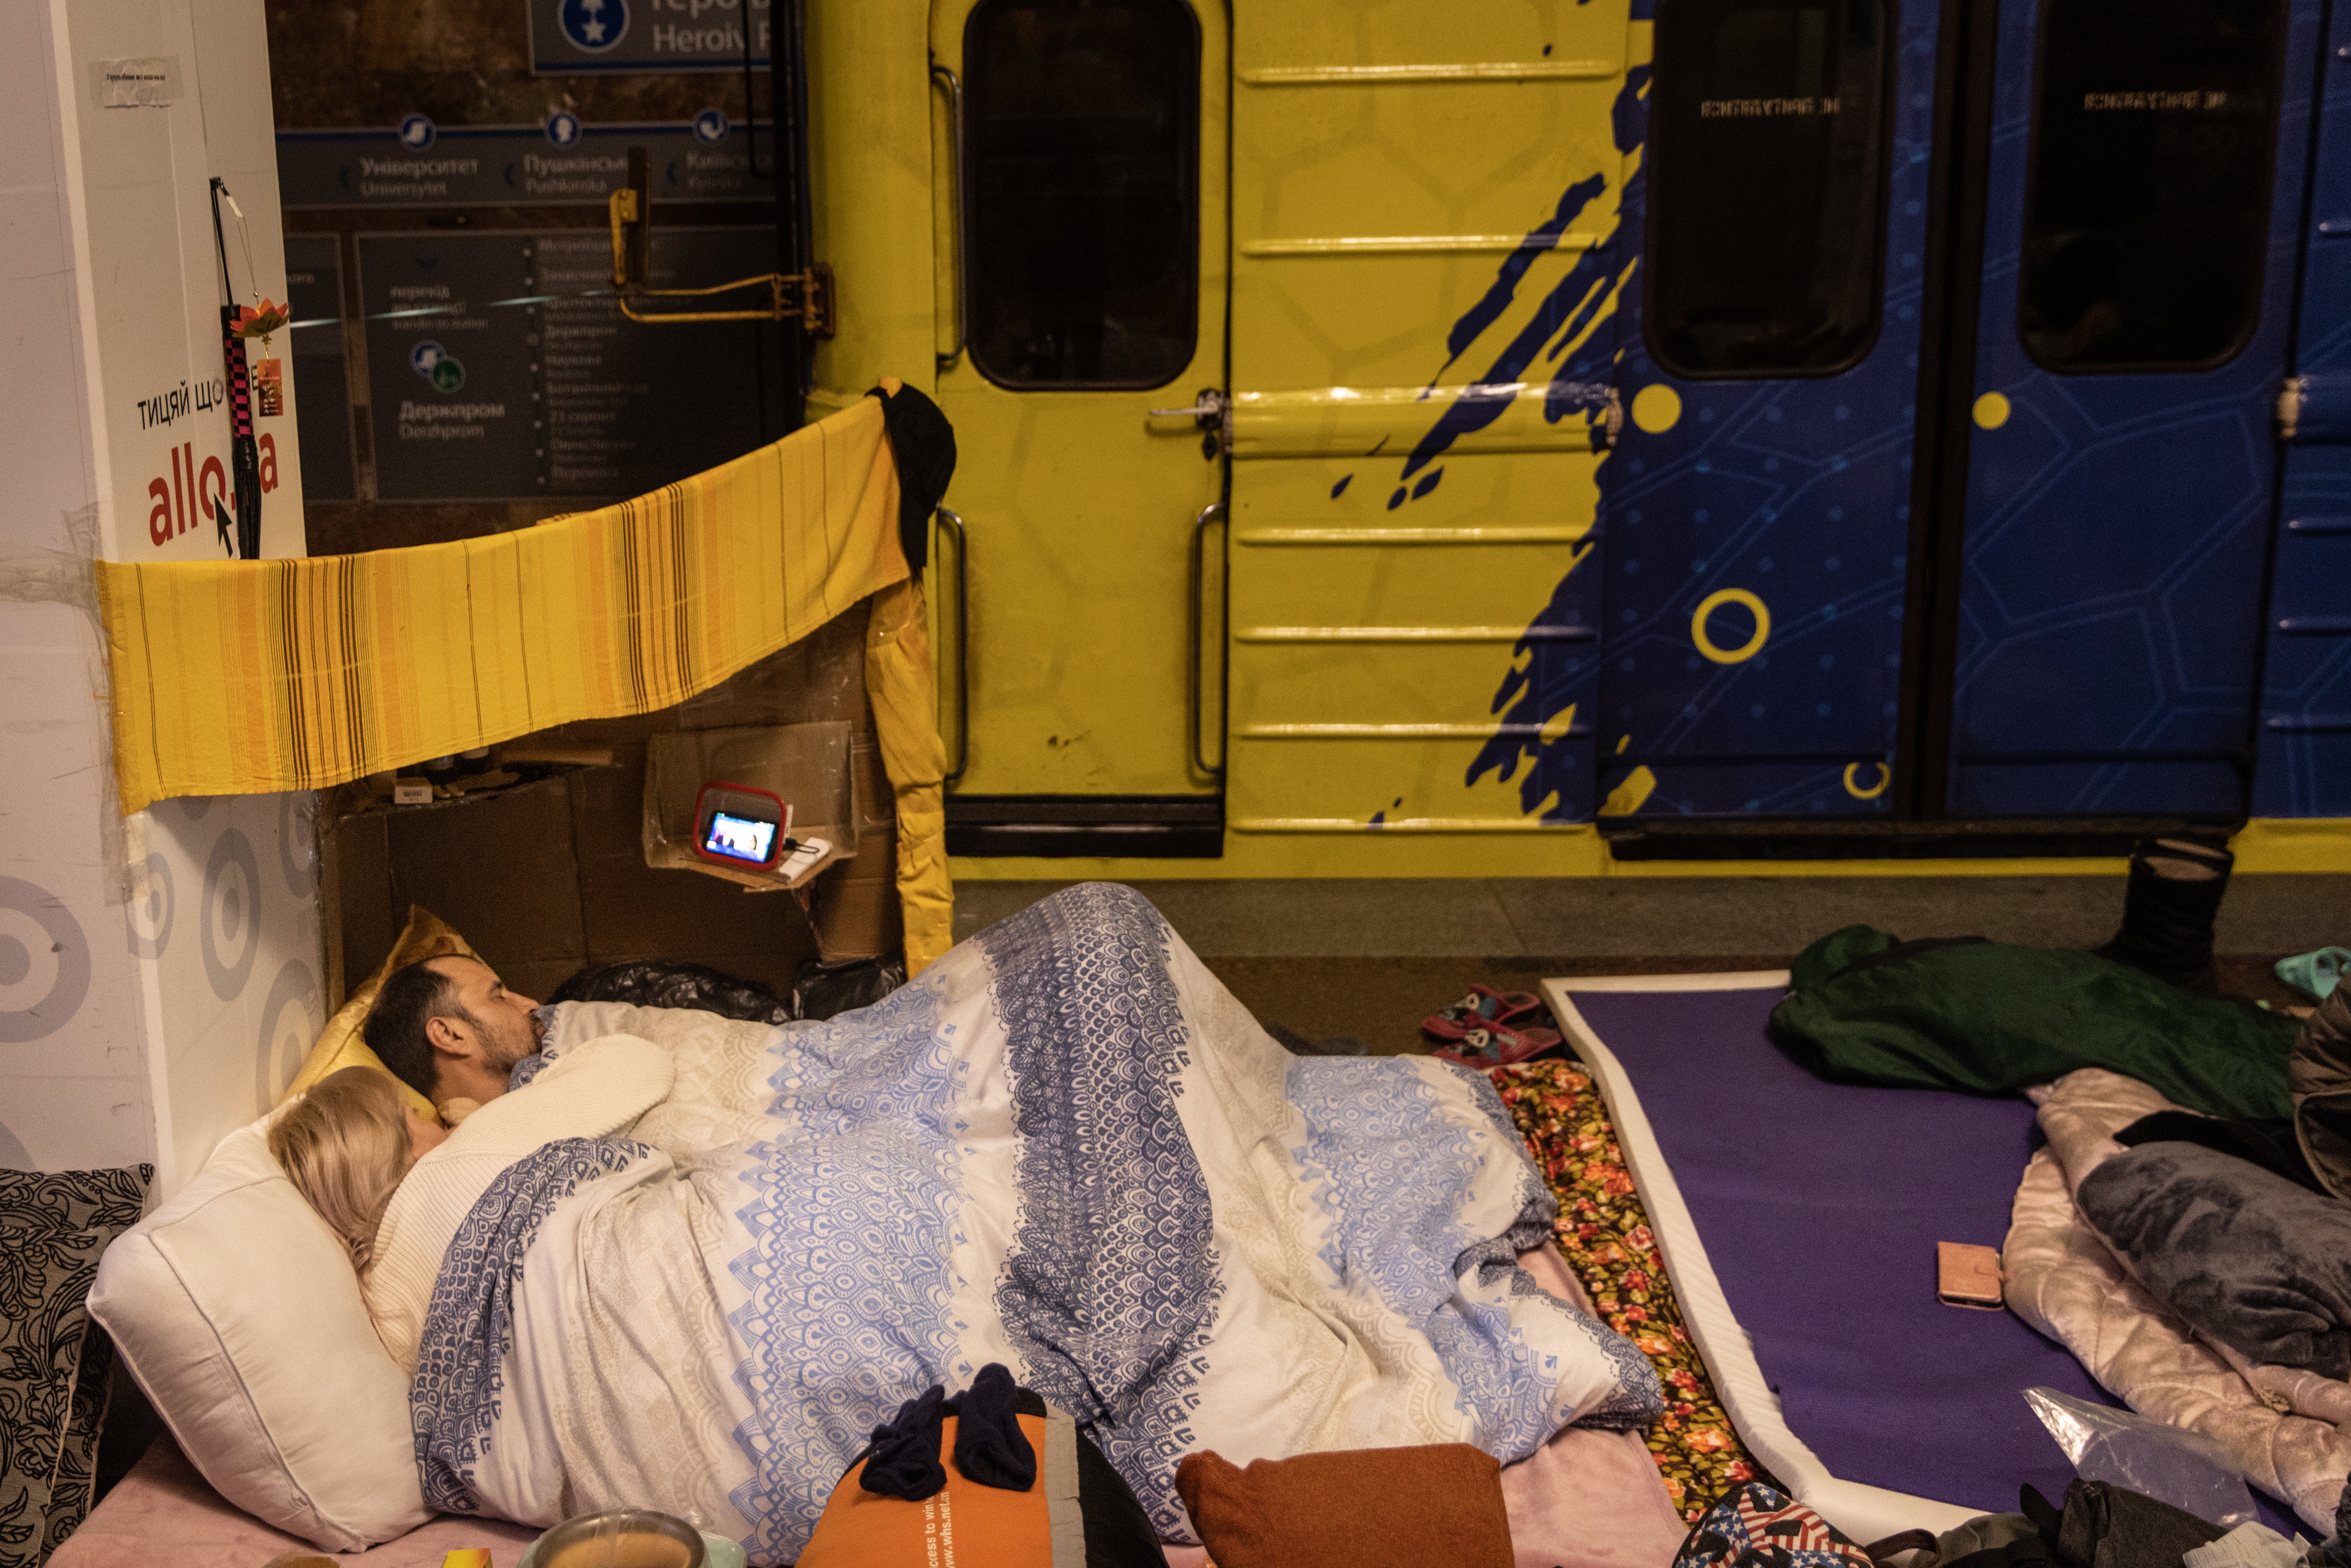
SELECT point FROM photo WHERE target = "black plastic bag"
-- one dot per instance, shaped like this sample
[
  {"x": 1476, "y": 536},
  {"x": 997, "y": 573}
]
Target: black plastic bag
[
  {"x": 827, "y": 990},
  {"x": 661, "y": 983}
]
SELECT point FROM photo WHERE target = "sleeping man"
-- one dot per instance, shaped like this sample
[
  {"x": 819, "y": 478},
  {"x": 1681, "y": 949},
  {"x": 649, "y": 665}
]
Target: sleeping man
[
  {"x": 450, "y": 1030},
  {"x": 695, "y": 1263}
]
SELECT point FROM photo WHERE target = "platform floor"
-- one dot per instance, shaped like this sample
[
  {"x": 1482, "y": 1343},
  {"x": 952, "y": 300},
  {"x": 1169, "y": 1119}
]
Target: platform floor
[{"x": 1369, "y": 958}]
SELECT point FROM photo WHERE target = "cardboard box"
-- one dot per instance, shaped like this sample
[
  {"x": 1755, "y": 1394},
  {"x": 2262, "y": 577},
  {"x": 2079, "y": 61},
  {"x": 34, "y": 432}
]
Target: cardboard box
[
  {"x": 856, "y": 909},
  {"x": 806, "y": 764},
  {"x": 548, "y": 877}
]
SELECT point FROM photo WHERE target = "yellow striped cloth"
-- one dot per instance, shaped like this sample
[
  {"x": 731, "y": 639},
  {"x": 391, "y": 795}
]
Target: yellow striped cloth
[{"x": 251, "y": 677}]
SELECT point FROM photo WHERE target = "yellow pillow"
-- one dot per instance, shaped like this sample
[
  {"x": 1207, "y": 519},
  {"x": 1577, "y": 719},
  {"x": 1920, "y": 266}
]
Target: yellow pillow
[{"x": 339, "y": 1045}]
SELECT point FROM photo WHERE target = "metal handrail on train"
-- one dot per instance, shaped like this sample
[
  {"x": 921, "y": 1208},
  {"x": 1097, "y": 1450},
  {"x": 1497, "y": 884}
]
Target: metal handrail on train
[
  {"x": 962, "y": 272},
  {"x": 1213, "y": 513},
  {"x": 949, "y": 520}
]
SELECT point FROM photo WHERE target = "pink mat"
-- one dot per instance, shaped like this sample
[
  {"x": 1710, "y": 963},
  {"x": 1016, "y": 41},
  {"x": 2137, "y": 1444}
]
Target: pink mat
[{"x": 1587, "y": 1499}]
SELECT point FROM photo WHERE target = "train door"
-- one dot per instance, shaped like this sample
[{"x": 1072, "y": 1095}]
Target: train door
[
  {"x": 1758, "y": 508},
  {"x": 1087, "y": 275},
  {"x": 1949, "y": 473},
  {"x": 2305, "y": 766},
  {"x": 1426, "y": 215},
  {"x": 2144, "y": 208}
]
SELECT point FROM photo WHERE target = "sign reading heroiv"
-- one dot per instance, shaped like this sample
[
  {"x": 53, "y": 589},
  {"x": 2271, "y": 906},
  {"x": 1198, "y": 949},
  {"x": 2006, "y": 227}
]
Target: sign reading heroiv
[{"x": 575, "y": 37}]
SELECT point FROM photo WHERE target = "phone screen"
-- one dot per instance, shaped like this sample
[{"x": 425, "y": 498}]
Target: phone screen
[{"x": 739, "y": 837}]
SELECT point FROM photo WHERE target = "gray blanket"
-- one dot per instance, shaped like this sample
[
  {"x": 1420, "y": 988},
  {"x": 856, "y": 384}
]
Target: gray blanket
[
  {"x": 2245, "y": 1256},
  {"x": 2318, "y": 1076}
]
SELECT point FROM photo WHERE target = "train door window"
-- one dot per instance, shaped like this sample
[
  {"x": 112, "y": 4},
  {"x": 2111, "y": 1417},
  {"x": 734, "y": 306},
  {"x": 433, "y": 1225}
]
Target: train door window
[
  {"x": 1082, "y": 201},
  {"x": 2148, "y": 220},
  {"x": 1766, "y": 185}
]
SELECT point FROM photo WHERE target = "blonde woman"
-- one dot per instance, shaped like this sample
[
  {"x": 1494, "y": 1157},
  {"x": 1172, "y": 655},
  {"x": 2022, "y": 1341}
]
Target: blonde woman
[{"x": 346, "y": 1145}]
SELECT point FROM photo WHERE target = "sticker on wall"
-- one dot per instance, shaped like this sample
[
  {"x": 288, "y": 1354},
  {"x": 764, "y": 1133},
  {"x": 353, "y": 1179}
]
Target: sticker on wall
[
  {"x": 151, "y": 82},
  {"x": 44, "y": 962},
  {"x": 231, "y": 919},
  {"x": 289, "y": 1024}
]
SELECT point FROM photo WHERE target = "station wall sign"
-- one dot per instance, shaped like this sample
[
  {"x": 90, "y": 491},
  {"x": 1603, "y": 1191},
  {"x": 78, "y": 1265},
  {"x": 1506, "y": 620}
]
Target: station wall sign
[
  {"x": 562, "y": 162},
  {"x": 572, "y": 37},
  {"x": 500, "y": 366}
]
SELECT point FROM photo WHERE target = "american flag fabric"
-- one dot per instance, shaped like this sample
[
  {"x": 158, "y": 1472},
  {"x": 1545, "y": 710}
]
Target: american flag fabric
[{"x": 1756, "y": 1527}]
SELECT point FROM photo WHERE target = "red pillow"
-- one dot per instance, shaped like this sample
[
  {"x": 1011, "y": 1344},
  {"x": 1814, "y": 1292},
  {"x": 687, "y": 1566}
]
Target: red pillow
[{"x": 1438, "y": 1507}]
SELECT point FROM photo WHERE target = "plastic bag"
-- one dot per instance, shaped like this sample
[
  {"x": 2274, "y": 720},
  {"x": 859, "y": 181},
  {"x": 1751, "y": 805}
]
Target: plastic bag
[
  {"x": 662, "y": 983},
  {"x": 827, "y": 990},
  {"x": 2170, "y": 1464}
]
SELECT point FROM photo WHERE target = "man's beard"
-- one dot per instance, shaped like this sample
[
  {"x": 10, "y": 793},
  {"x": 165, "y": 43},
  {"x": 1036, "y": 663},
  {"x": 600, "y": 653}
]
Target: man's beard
[{"x": 502, "y": 1053}]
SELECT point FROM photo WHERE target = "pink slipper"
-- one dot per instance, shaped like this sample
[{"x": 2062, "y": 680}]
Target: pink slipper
[
  {"x": 1483, "y": 1008},
  {"x": 1499, "y": 1045}
]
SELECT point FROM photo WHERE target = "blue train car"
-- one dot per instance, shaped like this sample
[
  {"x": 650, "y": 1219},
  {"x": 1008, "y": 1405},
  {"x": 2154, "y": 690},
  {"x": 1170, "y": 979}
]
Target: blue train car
[
  {"x": 1528, "y": 440},
  {"x": 2019, "y": 434}
]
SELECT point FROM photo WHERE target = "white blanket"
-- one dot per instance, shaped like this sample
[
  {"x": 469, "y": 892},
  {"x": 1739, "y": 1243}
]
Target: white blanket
[
  {"x": 2279, "y": 1424},
  {"x": 1066, "y": 1148}
]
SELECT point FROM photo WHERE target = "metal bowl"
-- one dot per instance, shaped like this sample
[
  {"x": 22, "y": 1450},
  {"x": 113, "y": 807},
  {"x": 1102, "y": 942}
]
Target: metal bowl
[{"x": 574, "y": 1542}]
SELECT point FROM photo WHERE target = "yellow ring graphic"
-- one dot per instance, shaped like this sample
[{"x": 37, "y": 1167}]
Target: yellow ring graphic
[
  {"x": 1715, "y": 601},
  {"x": 1885, "y": 777}
]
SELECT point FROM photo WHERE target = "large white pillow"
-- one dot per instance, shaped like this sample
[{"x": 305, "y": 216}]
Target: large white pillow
[{"x": 236, "y": 1308}]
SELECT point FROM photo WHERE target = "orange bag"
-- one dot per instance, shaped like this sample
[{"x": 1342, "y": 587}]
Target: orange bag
[{"x": 1079, "y": 1514}]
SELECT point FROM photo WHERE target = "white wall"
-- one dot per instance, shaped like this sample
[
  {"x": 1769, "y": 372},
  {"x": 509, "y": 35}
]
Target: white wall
[{"x": 158, "y": 975}]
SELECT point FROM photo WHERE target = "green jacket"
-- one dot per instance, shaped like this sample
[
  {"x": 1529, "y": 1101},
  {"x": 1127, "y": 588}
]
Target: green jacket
[{"x": 1991, "y": 1018}]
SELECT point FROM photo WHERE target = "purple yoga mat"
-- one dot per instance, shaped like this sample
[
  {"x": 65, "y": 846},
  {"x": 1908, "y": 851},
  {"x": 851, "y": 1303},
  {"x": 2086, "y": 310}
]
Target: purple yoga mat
[{"x": 1820, "y": 1206}]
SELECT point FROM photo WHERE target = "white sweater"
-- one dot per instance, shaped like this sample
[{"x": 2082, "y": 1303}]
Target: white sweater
[{"x": 597, "y": 1089}]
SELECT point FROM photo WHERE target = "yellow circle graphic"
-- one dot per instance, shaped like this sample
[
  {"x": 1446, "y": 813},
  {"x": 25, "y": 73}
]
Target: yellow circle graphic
[
  {"x": 1885, "y": 777},
  {"x": 1715, "y": 601},
  {"x": 1656, "y": 408},
  {"x": 1991, "y": 411}
]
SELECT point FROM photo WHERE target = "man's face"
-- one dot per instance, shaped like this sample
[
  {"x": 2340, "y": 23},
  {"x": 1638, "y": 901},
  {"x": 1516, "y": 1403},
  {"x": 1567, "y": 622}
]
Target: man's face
[{"x": 498, "y": 1019}]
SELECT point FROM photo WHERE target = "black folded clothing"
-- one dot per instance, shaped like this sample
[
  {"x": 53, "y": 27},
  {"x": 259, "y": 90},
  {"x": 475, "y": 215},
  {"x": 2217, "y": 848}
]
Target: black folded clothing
[
  {"x": 2269, "y": 1145},
  {"x": 989, "y": 1446}
]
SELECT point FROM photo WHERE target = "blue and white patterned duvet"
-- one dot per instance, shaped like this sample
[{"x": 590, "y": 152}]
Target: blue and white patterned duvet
[{"x": 1064, "y": 1147}]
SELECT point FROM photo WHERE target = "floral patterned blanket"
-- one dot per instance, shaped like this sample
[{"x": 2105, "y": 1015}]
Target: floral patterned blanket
[
  {"x": 1603, "y": 1233},
  {"x": 1064, "y": 1147}
]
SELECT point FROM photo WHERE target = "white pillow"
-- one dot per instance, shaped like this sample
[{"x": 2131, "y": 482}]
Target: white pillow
[{"x": 235, "y": 1308}]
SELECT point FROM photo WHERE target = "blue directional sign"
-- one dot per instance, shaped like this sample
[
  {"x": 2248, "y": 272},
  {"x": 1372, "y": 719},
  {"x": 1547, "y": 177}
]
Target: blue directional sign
[
  {"x": 572, "y": 37},
  {"x": 563, "y": 162},
  {"x": 594, "y": 27},
  {"x": 500, "y": 365}
]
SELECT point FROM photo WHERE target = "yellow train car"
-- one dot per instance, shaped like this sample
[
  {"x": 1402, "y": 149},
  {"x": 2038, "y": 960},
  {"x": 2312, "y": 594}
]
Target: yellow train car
[{"x": 1374, "y": 461}]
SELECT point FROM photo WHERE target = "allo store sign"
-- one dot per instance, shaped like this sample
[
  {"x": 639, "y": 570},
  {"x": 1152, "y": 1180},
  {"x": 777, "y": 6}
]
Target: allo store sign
[
  {"x": 195, "y": 492},
  {"x": 199, "y": 493}
]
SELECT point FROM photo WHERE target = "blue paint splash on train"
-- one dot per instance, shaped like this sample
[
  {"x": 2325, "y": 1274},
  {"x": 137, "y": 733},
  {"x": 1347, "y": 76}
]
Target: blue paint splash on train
[{"x": 1554, "y": 664}]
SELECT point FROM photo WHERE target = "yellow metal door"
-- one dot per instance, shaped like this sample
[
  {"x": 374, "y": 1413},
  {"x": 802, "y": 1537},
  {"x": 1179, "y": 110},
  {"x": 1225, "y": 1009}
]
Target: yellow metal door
[
  {"x": 1422, "y": 201},
  {"x": 1083, "y": 245}
]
